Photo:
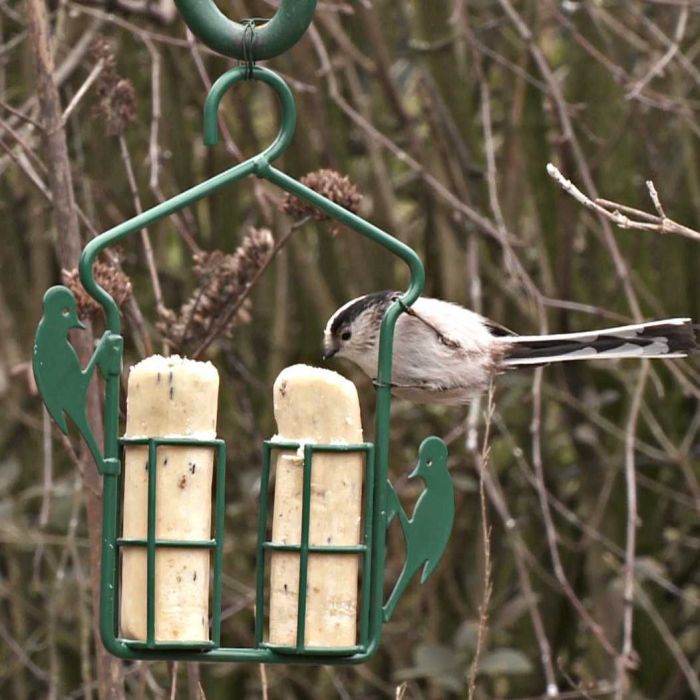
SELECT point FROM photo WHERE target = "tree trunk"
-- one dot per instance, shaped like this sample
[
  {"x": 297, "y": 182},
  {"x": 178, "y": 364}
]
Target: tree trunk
[{"x": 110, "y": 674}]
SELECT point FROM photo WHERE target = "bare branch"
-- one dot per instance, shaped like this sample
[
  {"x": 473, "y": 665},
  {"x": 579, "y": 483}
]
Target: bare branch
[
  {"x": 618, "y": 213},
  {"x": 661, "y": 64}
]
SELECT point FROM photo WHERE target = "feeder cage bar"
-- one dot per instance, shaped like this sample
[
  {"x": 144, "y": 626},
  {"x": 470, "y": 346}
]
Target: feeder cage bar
[
  {"x": 304, "y": 548},
  {"x": 153, "y": 543}
]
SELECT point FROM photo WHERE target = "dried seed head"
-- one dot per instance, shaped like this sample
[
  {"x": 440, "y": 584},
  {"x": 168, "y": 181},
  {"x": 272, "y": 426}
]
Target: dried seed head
[
  {"x": 116, "y": 95},
  {"x": 223, "y": 278},
  {"x": 101, "y": 50},
  {"x": 110, "y": 278},
  {"x": 329, "y": 183}
]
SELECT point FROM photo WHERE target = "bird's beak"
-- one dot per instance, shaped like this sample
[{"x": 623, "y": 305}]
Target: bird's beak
[
  {"x": 77, "y": 323},
  {"x": 329, "y": 347},
  {"x": 328, "y": 351}
]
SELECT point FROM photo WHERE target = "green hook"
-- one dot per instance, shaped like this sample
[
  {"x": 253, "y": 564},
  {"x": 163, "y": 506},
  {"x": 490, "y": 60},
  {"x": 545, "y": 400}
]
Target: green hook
[
  {"x": 288, "y": 108},
  {"x": 221, "y": 34}
]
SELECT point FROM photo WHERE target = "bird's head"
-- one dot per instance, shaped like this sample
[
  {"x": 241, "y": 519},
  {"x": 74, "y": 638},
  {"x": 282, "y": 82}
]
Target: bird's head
[
  {"x": 432, "y": 455},
  {"x": 423, "y": 468},
  {"x": 352, "y": 331},
  {"x": 61, "y": 309}
]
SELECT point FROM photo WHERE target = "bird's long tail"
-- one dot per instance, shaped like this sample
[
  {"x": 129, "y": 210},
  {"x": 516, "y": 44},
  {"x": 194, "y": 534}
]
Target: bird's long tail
[{"x": 673, "y": 337}]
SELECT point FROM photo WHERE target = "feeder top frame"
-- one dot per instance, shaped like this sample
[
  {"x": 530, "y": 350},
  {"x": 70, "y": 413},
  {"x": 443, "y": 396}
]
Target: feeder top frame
[{"x": 261, "y": 166}]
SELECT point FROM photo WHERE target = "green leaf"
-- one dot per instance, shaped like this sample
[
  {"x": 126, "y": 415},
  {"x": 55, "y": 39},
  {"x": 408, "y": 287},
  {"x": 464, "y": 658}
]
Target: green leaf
[
  {"x": 467, "y": 635},
  {"x": 504, "y": 662},
  {"x": 437, "y": 662}
]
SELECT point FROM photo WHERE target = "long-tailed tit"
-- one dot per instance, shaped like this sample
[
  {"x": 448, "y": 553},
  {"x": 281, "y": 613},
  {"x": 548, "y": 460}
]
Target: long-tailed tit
[{"x": 444, "y": 353}]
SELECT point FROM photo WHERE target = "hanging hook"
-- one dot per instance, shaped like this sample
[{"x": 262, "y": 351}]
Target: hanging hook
[
  {"x": 288, "y": 118},
  {"x": 227, "y": 37}
]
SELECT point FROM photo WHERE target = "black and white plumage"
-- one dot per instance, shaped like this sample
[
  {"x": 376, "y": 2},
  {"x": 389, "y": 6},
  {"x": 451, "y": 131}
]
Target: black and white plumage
[{"x": 444, "y": 353}]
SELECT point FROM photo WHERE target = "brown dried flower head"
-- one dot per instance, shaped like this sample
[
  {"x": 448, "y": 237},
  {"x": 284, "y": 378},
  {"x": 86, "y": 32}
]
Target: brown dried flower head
[
  {"x": 110, "y": 278},
  {"x": 116, "y": 95},
  {"x": 223, "y": 279},
  {"x": 329, "y": 183},
  {"x": 101, "y": 50}
]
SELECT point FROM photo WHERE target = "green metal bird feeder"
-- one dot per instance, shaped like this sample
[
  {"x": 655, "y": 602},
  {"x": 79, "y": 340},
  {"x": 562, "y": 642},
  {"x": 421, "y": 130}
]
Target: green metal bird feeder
[{"x": 63, "y": 386}]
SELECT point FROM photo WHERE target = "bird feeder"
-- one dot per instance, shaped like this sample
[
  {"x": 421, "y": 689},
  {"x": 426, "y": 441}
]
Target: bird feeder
[{"x": 139, "y": 457}]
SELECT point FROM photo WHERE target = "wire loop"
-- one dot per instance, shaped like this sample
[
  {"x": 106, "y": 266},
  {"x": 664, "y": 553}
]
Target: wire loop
[{"x": 249, "y": 37}]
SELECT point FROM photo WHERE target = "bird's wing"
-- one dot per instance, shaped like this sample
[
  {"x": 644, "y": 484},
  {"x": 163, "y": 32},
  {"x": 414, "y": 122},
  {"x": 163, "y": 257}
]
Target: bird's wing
[
  {"x": 55, "y": 411},
  {"x": 441, "y": 348},
  {"x": 441, "y": 335},
  {"x": 497, "y": 329}
]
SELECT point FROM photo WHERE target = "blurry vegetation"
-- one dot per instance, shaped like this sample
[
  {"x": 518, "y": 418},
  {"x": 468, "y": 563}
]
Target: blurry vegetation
[{"x": 444, "y": 115}]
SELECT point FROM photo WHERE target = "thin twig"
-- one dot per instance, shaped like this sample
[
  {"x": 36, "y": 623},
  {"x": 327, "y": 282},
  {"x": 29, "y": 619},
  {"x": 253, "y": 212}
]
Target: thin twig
[
  {"x": 670, "y": 640},
  {"x": 550, "y": 530},
  {"x": 153, "y": 142},
  {"x": 655, "y": 199},
  {"x": 24, "y": 145},
  {"x": 625, "y": 660},
  {"x": 21, "y": 115},
  {"x": 520, "y": 554},
  {"x": 20, "y": 653},
  {"x": 131, "y": 27},
  {"x": 94, "y": 74},
  {"x": 173, "y": 680},
  {"x": 145, "y": 238},
  {"x": 153, "y": 148},
  {"x": 659, "y": 66},
  {"x": 47, "y": 488},
  {"x": 482, "y": 463},
  {"x": 263, "y": 681},
  {"x": 224, "y": 321}
]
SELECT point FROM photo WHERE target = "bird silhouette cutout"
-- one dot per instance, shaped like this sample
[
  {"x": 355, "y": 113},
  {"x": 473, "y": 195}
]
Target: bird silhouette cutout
[
  {"x": 428, "y": 530},
  {"x": 62, "y": 382}
]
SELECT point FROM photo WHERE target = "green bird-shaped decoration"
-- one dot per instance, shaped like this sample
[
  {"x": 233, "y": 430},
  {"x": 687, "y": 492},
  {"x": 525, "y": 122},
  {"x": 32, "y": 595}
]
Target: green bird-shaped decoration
[
  {"x": 427, "y": 532},
  {"x": 62, "y": 382}
]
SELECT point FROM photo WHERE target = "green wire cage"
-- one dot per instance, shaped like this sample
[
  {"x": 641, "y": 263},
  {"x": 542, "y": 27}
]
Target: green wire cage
[{"x": 63, "y": 384}]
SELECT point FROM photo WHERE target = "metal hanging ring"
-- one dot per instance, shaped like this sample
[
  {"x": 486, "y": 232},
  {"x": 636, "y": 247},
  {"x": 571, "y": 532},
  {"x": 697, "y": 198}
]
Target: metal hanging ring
[{"x": 227, "y": 37}]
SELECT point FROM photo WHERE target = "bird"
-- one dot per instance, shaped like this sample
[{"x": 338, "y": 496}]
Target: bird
[
  {"x": 61, "y": 381},
  {"x": 428, "y": 530},
  {"x": 446, "y": 354}
]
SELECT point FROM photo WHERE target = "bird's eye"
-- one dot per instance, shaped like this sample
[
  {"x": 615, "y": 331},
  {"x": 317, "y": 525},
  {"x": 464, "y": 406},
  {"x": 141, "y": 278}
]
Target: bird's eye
[
  {"x": 345, "y": 335},
  {"x": 65, "y": 311}
]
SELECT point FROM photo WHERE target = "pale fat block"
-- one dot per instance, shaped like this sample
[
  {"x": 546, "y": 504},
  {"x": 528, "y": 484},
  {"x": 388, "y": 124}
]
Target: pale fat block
[
  {"x": 169, "y": 397},
  {"x": 317, "y": 405}
]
